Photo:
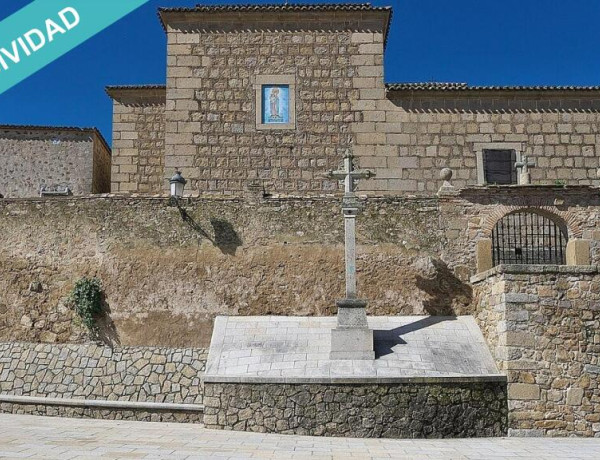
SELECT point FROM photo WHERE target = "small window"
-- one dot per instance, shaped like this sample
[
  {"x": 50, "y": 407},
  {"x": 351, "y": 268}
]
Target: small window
[{"x": 499, "y": 167}]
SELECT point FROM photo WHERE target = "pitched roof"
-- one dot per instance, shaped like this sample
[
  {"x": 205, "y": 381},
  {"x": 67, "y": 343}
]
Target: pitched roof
[
  {"x": 134, "y": 87},
  {"x": 281, "y": 8},
  {"x": 75, "y": 129},
  {"x": 440, "y": 86}
]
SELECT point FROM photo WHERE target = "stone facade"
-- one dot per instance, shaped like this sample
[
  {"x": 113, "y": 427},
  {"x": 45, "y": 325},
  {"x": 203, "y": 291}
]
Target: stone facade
[
  {"x": 425, "y": 410},
  {"x": 412, "y": 134},
  {"x": 211, "y": 129},
  {"x": 138, "y": 162},
  {"x": 160, "y": 375},
  {"x": 406, "y": 133},
  {"x": 542, "y": 324},
  {"x": 32, "y": 157}
]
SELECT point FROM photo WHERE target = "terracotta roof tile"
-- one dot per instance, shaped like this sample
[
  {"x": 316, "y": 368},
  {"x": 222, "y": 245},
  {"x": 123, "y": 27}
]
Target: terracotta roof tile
[{"x": 440, "y": 86}]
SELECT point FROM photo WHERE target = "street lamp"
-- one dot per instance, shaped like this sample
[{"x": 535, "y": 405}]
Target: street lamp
[{"x": 177, "y": 185}]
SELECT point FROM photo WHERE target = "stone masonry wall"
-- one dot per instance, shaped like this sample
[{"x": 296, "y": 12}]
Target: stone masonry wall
[
  {"x": 167, "y": 272},
  {"x": 470, "y": 216},
  {"x": 211, "y": 130},
  {"x": 98, "y": 372},
  {"x": 406, "y": 137},
  {"x": 166, "y": 275},
  {"x": 138, "y": 163},
  {"x": 543, "y": 326},
  {"x": 427, "y": 410},
  {"x": 101, "y": 166},
  {"x": 31, "y": 158}
]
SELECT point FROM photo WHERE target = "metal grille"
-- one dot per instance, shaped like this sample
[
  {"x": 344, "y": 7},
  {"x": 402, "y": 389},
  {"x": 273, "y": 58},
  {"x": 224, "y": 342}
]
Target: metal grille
[{"x": 528, "y": 238}]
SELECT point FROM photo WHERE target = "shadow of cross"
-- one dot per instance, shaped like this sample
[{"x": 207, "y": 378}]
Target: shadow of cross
[{"x": 386, "y": 340}]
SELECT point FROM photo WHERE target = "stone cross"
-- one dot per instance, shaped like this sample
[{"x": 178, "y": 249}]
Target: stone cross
[
  {"x": 350, "y": 208},
  {"x": 523, "y": 166},
  {"x": 352, "y": 338}
]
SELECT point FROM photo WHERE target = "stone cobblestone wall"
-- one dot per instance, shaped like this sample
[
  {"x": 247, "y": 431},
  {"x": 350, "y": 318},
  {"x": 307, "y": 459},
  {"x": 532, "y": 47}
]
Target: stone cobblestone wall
[
  {"x": 544, "y": 331},
  {"x": 211, "y": 121},
  {"x": 426, "y": 410},
  {"x": 409, "y": 136},
  {"x": 138, "y": 140},
  {"x": 97, "y": 372},
  {"x": 32, "y": 157}
]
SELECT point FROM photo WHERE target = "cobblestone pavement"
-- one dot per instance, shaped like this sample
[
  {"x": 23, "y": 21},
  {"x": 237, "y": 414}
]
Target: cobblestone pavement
[{"x": 25, "y": 436}]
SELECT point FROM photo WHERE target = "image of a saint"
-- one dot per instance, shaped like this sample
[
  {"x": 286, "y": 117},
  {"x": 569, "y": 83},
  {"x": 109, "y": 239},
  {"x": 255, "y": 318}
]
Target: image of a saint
[{"x": 275, "y": 104}]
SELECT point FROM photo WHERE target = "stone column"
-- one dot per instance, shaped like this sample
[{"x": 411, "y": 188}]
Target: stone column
[{"x": 352, "y": 338}]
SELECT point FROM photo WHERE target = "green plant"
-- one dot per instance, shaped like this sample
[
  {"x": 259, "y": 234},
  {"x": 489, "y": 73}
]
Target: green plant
[
  {"x": 560, "y": 183},
  {"x": 86, "y": 298}
]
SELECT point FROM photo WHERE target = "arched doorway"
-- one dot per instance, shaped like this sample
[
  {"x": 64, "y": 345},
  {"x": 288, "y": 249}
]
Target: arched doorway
[{"x": 529, "y": 237}]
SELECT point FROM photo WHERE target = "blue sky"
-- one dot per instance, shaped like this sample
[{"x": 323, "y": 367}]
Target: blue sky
[{"x": 484, "y": 42}]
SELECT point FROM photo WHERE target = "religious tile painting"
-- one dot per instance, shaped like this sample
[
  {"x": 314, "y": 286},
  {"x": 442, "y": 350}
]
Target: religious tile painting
[{"x": 275, "y": 104}]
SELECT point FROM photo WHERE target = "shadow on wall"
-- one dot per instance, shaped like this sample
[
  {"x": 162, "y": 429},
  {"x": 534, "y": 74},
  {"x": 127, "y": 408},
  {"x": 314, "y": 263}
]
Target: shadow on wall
[
  {"x": 226, "y": 238},
  {"x": 444, "y": 290},
  {"x": 107, "y": 331}
]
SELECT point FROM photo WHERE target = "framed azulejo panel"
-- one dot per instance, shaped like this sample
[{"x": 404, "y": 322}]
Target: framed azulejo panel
[{"x": 275, "y": 102}]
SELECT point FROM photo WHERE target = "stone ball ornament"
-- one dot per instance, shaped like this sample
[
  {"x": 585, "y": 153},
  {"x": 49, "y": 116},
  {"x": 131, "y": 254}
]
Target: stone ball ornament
[{"x": 446, "y": 174}]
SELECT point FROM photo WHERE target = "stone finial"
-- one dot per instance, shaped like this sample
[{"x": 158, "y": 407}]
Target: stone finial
[{"x": 446, "y": 176}]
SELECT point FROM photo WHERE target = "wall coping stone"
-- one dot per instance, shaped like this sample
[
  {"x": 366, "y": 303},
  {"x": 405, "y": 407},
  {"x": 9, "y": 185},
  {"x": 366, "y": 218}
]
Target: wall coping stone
[
  {"x": 356, "y": 380},
  {"x": 99, "y": 403},
  {"x": 514, "y": 269}
]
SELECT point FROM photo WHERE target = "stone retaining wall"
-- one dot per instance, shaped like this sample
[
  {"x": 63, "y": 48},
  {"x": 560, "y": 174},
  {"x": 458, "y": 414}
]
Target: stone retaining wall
[
  {"x": 543, "y": 327},
  {"x": 436, "y": 410},
  {"x": 97, "y": 372}
]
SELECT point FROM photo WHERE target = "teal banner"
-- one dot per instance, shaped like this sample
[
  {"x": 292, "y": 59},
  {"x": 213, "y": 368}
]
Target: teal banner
[{"x": 45, "y": 30}]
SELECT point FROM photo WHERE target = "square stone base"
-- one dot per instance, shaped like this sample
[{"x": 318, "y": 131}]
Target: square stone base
[{"x": 352, "y": 343}]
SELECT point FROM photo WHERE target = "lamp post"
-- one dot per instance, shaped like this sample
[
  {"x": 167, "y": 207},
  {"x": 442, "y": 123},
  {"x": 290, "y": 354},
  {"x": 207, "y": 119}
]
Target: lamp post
[{"x": 177, "y": 186}]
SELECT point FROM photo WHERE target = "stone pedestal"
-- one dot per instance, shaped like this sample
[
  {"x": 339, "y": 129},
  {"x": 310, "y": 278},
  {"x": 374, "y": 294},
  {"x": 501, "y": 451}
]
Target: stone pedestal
[{"x": 352, "y": 338}]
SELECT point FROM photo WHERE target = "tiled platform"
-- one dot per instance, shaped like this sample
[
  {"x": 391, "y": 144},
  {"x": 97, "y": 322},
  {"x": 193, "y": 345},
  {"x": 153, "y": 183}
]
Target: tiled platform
[{"x": 265, "y": 349}]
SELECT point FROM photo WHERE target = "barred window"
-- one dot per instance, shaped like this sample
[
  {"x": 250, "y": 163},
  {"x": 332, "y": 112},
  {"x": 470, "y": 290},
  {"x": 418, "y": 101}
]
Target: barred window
[
  {"x": 529, "y": 238},
  {"x": 499, "y": 167}
]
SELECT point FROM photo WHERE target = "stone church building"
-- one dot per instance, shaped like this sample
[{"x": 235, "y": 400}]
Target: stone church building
[{"x": 485, "y": 203}]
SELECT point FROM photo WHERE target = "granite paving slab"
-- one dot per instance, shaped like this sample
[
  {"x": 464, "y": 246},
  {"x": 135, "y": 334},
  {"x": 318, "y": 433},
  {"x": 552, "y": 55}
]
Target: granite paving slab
[
  {"x": 287, "y": 349},
  {"x": 25, "y": 436}
]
